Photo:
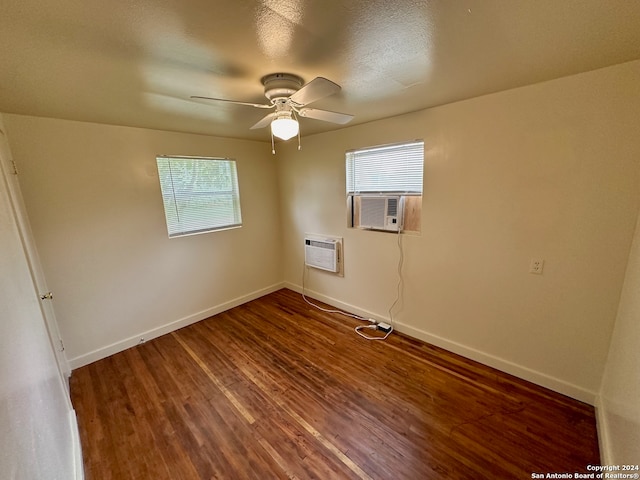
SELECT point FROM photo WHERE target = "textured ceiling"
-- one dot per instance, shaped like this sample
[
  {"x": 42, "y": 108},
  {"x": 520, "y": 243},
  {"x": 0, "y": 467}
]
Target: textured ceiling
[{"x": 136, "y": 62}]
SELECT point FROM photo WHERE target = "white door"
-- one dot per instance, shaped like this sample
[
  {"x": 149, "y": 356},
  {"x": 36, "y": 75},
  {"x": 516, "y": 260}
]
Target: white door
[
  {"x": 38, "y": 433},
  {"x": 33, "y": 260}
]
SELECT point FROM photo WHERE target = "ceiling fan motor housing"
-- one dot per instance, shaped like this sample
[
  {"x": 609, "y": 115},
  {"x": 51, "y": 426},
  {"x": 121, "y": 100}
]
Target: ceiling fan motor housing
[{"x": 281, "y": 85}]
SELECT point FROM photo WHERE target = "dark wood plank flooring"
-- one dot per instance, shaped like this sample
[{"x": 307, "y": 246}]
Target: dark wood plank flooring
[{"x": 276, "y": 389}]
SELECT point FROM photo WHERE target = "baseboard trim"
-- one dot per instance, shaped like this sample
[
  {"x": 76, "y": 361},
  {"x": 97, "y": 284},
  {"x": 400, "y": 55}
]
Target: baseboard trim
[
  {"x": 100, "y": 353},
  {"x": 539, "y": 378},
  {"x": 606, "y": 458},
  {"x": 525, "y": 373},
  {"x": 78, "y": 464}
]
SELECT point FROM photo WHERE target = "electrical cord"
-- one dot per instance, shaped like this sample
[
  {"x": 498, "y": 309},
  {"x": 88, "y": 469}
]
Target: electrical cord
[
  {"x": 399, "y": 285},
  {"x": 346, "y": 314},
  {"x": 374, "y": 326},
  {"x": 398, "y": 289}
]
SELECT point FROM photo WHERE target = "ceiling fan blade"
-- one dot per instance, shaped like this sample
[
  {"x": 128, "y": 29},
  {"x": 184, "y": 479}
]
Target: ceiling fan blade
[
  {"x": 316, "y": 89},
  {"x": 325, "y": 115},
  {"x": 257, "y": 105},
  {"x": 264, "y": 122}
]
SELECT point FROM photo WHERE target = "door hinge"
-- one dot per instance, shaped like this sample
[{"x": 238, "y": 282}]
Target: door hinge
[
  {"x": 15, "y": 167},
  {"x": 46, "y": 296},
  {"x": 61, "y": 345}
]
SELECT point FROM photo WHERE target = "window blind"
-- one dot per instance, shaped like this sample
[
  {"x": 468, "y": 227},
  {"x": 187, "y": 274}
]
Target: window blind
[
  {"x": 393, "y": 168},
  {"x": 199, "y": 194}
]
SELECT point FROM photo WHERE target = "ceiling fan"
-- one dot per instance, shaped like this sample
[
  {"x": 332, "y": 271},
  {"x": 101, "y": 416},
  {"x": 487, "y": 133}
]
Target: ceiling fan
[{"x": 289, "y": 97}]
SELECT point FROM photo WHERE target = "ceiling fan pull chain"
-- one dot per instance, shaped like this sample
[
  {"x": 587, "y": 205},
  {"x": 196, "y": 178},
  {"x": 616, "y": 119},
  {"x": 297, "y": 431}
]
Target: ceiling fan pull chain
[
  {"x": 273, "y": 146},
  {"x": 295, "y": 116}
]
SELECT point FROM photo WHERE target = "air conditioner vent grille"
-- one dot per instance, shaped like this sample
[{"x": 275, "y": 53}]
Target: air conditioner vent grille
[
  {"x": 381, "y": 212},
  {"x": 372, "y": 212},
  {"x": 392, "y": 207},
  {"x": 322, "y": 254}
]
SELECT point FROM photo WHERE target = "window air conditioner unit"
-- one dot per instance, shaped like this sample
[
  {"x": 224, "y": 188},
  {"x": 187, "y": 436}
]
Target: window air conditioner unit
[
  {"x": 322, "y": 254},
  {"x": 381, "y": 212}
]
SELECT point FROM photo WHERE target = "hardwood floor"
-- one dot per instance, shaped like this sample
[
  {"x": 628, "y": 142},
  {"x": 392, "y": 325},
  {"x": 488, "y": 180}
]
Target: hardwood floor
[{"x": 276, "y": 389}]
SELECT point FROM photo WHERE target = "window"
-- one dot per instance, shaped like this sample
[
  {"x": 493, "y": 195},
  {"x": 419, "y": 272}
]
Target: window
[
  {"x": 199, "y": 194},
  {"x": 386, "y": 182}
]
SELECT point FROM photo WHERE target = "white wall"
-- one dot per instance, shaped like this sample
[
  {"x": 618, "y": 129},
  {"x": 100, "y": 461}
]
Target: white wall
[
  {"x": 93, "y": 198},
  {"x": 619, "y": 403},
  {"x": 548, "y": 171},
  {"x": 37, "y": 425}
]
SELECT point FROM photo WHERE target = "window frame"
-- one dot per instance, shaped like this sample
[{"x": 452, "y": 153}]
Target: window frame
[
  {"x": 411, "y": 195},
  {"x": 196, "y": 225}
]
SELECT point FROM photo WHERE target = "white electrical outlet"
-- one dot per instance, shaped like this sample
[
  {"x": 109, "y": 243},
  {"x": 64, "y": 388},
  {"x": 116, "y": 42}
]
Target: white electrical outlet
[{"x": 536, "y": 266}]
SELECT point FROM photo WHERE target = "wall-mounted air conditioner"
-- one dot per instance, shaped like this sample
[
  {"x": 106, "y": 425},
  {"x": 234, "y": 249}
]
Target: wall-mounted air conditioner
[
  {"x": 322, "y": 253},
  {"x": 381, "y": 212}
]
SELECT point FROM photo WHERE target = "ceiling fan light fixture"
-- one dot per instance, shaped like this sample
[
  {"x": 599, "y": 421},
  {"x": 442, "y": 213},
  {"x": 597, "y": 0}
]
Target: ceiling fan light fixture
[
  {"x": 284, "y": 128},
  {"x": 289, "y": 97}
]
